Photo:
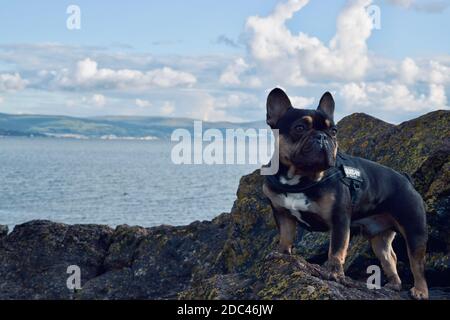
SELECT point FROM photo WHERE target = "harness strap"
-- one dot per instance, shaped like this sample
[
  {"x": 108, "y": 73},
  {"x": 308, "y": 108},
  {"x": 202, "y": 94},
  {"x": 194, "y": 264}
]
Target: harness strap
[
  {"x": 354, "y": 186},
  {"x": 331, "y": 174},
  {"x": 349, "y": 176}
]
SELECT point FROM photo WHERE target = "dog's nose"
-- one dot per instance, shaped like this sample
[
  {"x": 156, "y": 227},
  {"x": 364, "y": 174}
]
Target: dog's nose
[{"x": 321, "y": 139}]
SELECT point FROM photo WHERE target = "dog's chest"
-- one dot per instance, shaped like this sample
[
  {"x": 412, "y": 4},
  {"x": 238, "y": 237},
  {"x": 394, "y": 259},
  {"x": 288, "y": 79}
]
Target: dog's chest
[
  {"x": 313, "y": 213},
  {"x": 294, "y": 201},
  {"x": 296, "y": 204}
]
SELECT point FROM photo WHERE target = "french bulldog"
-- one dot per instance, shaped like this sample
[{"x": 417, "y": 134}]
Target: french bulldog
[{"x": 323, "y": 190}]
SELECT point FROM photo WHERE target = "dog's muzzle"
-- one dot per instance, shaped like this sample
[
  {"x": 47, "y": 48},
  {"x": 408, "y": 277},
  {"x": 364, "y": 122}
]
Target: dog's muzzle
[{"x": 321, "y": 141}]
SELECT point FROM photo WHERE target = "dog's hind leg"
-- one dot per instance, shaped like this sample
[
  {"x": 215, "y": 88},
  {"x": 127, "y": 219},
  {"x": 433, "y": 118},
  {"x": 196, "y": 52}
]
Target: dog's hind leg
[
  {"x": 413, "y": 227},
  {"x": 382, "y": 247},
  {"x": 417, "y": 262},
  {"x": 416, "y": 242}
]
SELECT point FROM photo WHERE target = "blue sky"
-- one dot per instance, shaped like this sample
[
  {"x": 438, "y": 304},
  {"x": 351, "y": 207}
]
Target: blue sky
[{"x": 216, "y": 60}]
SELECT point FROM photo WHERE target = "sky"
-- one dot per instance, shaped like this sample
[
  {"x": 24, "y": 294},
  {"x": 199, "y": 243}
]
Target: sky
[{"x": 217, "y": 60}]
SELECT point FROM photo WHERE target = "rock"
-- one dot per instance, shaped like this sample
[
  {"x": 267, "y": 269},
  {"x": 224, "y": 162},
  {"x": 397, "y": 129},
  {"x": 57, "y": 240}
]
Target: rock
[
  {"x": 251, "y": 230},
  {"x": 3, "y": 231},
  {"x": 231, "y": 257},
  {"x": 292, "y": 277},
  {"x": 126, "y": 263},
  {"x": 287, "y": 278},
  {"x": 232, "y": 286},
  {"x": 34, "y": 258},
  {"x": 157, "y": 263}
]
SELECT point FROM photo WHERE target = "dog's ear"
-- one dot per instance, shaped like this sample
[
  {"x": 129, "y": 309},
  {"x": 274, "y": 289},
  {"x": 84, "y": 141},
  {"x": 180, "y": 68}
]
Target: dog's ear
[
  {"x": 277, "y": 105},
  {"x": 326, "y": 104}
]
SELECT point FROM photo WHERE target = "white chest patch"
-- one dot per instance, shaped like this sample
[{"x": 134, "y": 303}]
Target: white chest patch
[{"x": 294, "y": 202}]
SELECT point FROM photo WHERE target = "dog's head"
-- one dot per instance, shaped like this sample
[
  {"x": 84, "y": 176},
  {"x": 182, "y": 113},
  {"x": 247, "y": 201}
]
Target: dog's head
[{"x": 307, "y": 138}]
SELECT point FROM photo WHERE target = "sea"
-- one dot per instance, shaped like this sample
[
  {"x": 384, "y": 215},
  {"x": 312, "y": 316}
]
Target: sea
[{"x": 110, "y": 182}]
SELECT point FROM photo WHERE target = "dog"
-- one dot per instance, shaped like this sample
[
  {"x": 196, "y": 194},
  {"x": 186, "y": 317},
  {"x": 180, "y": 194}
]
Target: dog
[{"x": 323, "y": 190}]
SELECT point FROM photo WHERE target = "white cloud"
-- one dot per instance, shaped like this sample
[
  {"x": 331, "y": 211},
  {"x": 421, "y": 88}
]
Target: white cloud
[
  {"x": 439, "y": 73},
  {"x": 12, "y": 82},
  {"x": 298, "y": 59},
  {"x": 71, "y": 103},
  {"x": 236, "y": 99},
  {"x": 2, "y": 99},
  {"x": 254, "y": 82},
  {"x": 167, "y": 77},
  {"x": 168, "y": 108},
  {"x": 408, "y": 71},
  {"x": 98, "y": 100},
  {"x": 392, "y": 97},
  {"x": 362, "y": 80},
  {"x": 224, "y": 107},
  {"x": 231, "y": 75},
  {"x": 237, "y": 74},
  {"x": 206, "y": 108},
  {"x": 402, "y": 3},
  {"x": 430, "y": 6},
  {"x": 88, "y": 75},
  {"x": 301, "y": 102},
  {"x": 426, "y": 71},
  {"x": 354, "y": 94},
  {"x": 437, "y": 96},
  {"x": 142, "y": 103}
]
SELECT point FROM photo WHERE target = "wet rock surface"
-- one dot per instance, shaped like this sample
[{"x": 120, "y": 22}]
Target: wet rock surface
[{"x": 232, "y": 256}]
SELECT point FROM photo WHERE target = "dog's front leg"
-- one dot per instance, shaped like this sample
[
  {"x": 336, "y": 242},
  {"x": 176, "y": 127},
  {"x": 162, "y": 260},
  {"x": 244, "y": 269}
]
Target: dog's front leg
[
  {"x": 287, "y": 227},
  {"x": 337, "y": 252}
]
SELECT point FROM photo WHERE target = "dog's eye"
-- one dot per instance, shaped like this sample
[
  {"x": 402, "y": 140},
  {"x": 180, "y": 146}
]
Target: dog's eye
[
  {"x": 299, "y": 128},
  {"x": 334, "y": 131}
]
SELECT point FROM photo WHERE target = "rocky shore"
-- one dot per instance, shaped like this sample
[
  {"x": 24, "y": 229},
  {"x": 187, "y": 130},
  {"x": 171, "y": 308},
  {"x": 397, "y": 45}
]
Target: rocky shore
[{"x": 232, "y": 256}]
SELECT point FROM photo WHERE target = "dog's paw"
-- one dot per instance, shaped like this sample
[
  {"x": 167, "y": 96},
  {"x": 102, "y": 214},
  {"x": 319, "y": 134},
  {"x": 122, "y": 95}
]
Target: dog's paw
[
  {"x": 337, "y": 276},
  {"x": 418, "y": 294},
  {"x": 335, "y": 269},
  {"x": 274, "y": 255},
  {"x": 284, "y": 249}
]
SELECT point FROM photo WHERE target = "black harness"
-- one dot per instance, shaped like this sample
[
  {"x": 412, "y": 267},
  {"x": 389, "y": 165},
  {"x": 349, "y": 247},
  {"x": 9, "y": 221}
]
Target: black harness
[{"x": 342, "y": 171}]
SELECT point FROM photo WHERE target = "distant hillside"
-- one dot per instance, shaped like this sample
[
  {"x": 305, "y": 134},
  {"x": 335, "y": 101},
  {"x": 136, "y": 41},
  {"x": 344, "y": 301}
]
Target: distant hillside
[{"x": 119, "y": 126}]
